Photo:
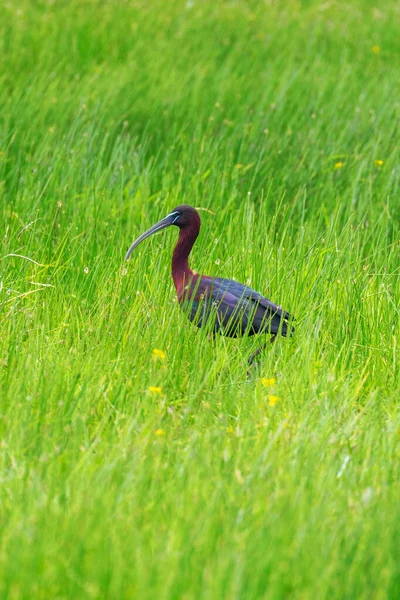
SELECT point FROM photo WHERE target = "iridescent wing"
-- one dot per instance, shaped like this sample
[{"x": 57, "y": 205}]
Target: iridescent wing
[{"x": 232, "y": 308}]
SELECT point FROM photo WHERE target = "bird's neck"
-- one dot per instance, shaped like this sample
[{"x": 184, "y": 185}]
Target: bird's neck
[{"x": 181, "y": 272}]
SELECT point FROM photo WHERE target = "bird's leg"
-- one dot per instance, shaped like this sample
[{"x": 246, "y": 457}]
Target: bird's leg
[{"x": 253, "y": 356}]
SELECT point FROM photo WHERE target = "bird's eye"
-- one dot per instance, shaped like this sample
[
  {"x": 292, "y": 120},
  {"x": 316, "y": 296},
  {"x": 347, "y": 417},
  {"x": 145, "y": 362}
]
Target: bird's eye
[{"x": 176, "y": 216}]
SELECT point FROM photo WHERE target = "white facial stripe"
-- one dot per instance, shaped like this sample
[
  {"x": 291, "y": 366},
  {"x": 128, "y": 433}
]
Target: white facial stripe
[{"x": 175, "y": 214}]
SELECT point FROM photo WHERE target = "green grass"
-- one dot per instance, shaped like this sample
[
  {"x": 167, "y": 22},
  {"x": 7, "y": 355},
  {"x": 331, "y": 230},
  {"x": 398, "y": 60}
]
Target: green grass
[{"x": 112, "y": 114}]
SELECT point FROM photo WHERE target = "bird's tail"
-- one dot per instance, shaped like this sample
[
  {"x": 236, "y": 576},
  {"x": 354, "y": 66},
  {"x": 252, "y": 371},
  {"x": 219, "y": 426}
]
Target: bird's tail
[{"x": 287, "y": 327}]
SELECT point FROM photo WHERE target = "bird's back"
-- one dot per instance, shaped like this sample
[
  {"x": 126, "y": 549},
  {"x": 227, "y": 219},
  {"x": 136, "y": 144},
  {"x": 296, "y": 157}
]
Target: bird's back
[{"x": 232, "y": 308}]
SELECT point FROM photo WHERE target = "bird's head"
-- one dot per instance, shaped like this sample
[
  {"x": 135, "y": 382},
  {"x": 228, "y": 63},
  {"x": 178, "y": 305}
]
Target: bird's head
[{"x": 183, "y": 216}]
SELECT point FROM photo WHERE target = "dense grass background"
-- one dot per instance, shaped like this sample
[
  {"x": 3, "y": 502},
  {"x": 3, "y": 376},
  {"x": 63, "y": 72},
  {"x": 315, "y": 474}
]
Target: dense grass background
[{"x": 270, "y": 115}]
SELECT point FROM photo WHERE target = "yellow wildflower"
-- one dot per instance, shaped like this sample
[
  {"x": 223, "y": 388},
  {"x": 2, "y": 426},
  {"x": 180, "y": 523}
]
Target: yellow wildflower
[
  {"x": 155, "y": 390},
  {"x": 378, "y": 162},
  {"x": 239, "y": 476},
  {"x": 273, "y": 400},
  {"x": 268, "y": 382},
  {"x": 229, "y": 429},
  {"x": 376, "y": 49},
  {"x": 158, "y": 354},
  {"x": 160, "y": 432},
  {"x": 339, "y": 165}
]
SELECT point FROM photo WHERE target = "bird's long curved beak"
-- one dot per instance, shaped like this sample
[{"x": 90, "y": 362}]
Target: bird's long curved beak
[{"x": 166, "y": 222}]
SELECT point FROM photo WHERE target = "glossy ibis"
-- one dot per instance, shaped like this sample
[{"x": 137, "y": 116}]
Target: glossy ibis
[{"x": 223, "y": 305}]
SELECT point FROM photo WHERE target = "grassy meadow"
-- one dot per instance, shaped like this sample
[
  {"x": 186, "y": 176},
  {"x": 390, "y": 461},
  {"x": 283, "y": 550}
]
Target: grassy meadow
[{"x": 138, "y": 459}]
